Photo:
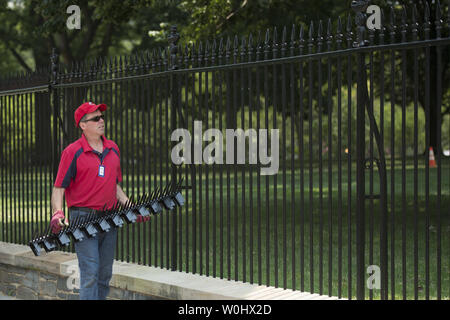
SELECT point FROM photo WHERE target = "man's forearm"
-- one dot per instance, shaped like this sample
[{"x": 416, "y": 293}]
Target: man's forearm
[
  {"x": 57, "y": 199},
  {"x": 121, "y": 196}
]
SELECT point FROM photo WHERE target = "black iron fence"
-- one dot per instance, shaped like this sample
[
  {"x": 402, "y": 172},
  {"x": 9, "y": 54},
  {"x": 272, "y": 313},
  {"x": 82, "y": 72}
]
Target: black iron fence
[{"x": 338, "y": 196}]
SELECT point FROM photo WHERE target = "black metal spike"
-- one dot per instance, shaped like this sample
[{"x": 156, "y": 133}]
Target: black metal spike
[
  {"x": 319, "y": 33},
  {"x": 311, "y": 37},
  {"x": 438, "y": 22},
  {"x": 250, "y": 48},
  {"x": 274, "y": 43},
  {"x": 301, "y": 40},
  {"x": 283, "y": 42},
  {"x": 404, "y": 27},
  {"x": 414, "y": 24},
  {"x": 329, "y": 35},
  {"x": 293, "y": 42}
]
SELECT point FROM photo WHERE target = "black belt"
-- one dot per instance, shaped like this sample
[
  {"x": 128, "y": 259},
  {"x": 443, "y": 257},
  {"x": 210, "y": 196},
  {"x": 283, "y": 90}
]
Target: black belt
[{"x": 84, "y": 209}]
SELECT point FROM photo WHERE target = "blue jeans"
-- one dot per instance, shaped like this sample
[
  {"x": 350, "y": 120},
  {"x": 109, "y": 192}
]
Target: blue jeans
[{"x": 95, "y": 260}]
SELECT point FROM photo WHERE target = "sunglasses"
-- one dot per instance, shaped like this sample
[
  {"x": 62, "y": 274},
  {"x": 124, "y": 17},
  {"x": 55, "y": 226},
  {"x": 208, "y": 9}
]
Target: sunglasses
[{"x": 96, "y": 119}]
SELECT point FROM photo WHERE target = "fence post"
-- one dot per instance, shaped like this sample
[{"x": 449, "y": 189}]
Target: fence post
[
  {"x": 173, "y": 40},
  {"x": 360, "y": 9},
  {"x": 54, "y": 59}
]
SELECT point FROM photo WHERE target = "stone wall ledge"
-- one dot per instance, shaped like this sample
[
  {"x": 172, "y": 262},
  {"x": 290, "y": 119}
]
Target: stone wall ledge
[{"x": 130, "y": 281}]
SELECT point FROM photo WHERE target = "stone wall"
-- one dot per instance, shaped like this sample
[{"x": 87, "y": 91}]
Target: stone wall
[
  {"x": 34, "y": 285},
  {"x": 54, "y": 276},
  {"x": 29, "y": 284}
]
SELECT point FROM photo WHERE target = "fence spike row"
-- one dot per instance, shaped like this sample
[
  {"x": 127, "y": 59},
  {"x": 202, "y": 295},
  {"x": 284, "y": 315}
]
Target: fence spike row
[{"x": 105, "y": 220}]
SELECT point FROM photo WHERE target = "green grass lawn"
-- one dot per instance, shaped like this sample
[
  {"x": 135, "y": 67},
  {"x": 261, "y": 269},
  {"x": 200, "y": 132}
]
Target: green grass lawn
[{"x": 285, "y": 241}]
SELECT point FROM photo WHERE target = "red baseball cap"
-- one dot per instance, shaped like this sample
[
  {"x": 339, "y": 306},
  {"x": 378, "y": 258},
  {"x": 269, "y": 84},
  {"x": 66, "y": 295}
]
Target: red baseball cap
[{"x": 86, "y": 108}]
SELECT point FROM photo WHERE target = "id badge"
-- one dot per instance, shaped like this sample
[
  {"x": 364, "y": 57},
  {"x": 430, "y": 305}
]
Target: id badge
[{"x": 101, "y": 171}]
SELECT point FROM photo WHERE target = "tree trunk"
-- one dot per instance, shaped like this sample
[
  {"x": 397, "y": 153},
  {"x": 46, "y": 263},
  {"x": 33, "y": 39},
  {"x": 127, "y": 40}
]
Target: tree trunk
[{"x": 43, "y": 144}]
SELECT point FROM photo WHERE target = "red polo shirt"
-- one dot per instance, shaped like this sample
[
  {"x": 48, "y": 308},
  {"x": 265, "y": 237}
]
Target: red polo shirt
[{"x": 85, "y": 183}]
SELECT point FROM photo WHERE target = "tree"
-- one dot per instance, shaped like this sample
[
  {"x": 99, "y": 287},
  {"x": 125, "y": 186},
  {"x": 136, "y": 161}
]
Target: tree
[{"x": 31, "y": 28}]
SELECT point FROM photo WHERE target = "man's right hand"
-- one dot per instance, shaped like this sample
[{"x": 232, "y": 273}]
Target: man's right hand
[{"x": 57, "y": 223}]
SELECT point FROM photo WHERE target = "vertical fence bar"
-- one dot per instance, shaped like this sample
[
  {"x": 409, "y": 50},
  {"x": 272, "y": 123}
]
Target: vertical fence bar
[
  {"x": 155, "y": 86},
  {"x": 15, "y": 169},
  {"x": 339, "y": 37},
  {"x": 266, "y": 124},
  {"x": 292, "y": 89},
  {"x": 144, "y": 166},
  {"x": 235, "y": 173},
  {"x": 438, "y": 25},
  {"x": 360, "y": 156},
  {"x": 403, "y": 155},
  {"x": 28, "y": 164},
  {"x": 392, "y": 189},
  {"x": 330, "y": 162},
  {"x": 221, "y": 191},
  {"x": 133, "y": 126},
  {"x": 320, "y": 153},
  {"x": 275, "y": 182},
  {"x": 349, "y": 38},
  {"x": 250, "y": 121},
  {"x": 194, "y": 173},
  {"x": 283, "y": 116},
  {"x": 10, "y": 180},
  {"x": 371, "y": 156},
  {"x": 200, "y": 168},
  {"x": 383, "y": 198},
  {"x": 426, "y": 28},
  {"x": 310, "y": 131},
  {"x": 228, "y": 109},
  {"x": 302, "y": 163},
  {"x": 4, "y": 164},
  {"x": 214, "y": 168},
  {"x": 243, "y": 212},
  {"x": 22, "y": 168},
  {"x": 173, "y": 39},
  {"x": 414, "y": 31},
  {"x": 258, "y": 177},
  {"x": 161, "y": 88}
]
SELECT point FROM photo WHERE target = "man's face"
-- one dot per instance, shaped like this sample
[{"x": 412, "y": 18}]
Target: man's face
[{"x": 92, "y": 127}]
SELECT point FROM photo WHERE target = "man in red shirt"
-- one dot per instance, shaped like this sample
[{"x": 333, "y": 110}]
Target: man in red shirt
[{"x": 89, "y": 175}]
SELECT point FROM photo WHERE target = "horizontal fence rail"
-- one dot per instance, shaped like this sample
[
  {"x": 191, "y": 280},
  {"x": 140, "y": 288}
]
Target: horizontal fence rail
[{"x": 272, "y": 157}]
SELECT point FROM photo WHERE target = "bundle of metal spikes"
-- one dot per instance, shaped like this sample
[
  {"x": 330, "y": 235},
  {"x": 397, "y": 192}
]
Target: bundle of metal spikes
[{"x": 103, "y": 221}]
